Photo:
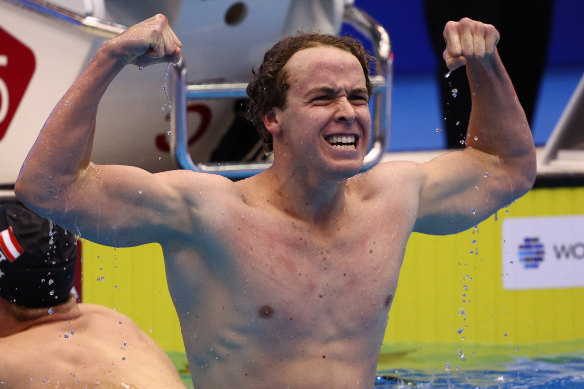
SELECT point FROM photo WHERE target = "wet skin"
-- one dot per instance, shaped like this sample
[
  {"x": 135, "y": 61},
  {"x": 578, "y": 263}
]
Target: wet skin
[
  {"x": 281, "y": 295},
  {"x": 284, "y": 279},
  {"x": 85, "y": 347}
]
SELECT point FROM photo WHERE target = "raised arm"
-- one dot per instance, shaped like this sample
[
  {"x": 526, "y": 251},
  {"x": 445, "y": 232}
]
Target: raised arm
[
  {"x": 59, "y": 181},
  {"x": 460, "y": 189}
]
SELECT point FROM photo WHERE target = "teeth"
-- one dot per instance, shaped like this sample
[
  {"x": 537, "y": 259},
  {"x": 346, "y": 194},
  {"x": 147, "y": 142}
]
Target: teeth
[
  {"x": 344, "y": 142},
  {"x": 344, "y": 147},
  {"x": 345, "y": 139}
]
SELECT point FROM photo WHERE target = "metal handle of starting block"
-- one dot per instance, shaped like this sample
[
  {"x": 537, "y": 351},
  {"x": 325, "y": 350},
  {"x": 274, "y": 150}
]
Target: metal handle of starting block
[
  {"x": 94, "y": 26},
  {"x": 382, "y": 86}
]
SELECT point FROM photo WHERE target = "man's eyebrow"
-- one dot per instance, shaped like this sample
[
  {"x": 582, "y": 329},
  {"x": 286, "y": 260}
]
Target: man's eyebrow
[
  {"x": 325, "y": 89},
  {"x": 329, "y": 90},
  {"x": 359, "y": 90}
]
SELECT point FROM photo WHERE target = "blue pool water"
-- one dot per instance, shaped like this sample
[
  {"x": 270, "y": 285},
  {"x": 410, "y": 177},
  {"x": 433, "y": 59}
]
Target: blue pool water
[{"x": 566, "y": 372}]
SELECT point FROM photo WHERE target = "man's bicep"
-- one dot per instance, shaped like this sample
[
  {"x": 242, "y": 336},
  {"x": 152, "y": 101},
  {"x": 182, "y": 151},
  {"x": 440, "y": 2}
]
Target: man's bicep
[
  {"x": 120, "y": 205},
  {"x": 459, "y": 190}
]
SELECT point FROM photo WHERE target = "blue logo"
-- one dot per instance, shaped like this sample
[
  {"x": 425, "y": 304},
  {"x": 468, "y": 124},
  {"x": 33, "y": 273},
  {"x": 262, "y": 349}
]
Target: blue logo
[{"x": 531, "y": 253}]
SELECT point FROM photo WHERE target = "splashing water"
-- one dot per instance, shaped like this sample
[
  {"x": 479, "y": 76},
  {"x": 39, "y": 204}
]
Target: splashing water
[
  {"x": 167, "y": 105},
  {"x": 461, "y": 355},
  {"x": 51, "y": 233},
  {"x": 448, "y": 74}
]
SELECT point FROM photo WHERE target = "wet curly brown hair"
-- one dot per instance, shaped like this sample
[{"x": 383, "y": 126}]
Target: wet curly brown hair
[{"x": 269, "y": 84}]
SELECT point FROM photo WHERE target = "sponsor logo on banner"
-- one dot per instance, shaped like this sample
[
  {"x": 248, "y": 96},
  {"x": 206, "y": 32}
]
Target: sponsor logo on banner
[
  {"x": 543, "y": 252},
  {"x": 531, "y": 253},
  {"x": 17, "y": 66}
]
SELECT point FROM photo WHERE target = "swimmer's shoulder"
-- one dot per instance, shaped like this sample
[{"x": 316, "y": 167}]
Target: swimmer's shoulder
[
  {"x": 96, "y": 310},
  {"x": 200, "y": 185},
  {"x": 389, "y": 175}
]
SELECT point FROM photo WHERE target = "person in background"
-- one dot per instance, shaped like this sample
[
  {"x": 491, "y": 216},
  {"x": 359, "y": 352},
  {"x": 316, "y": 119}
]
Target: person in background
[
  {"x": 523, "y": 49},
  {"x": 285, "y": 279},
  {"x": 47, "y": 338}
]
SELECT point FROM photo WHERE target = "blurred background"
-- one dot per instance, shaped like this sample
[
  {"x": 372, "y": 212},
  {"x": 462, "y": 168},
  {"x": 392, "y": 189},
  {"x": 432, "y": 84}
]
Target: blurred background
[
  {"x": 452, "y": 289},
  {"x": 414, "y": 127}
]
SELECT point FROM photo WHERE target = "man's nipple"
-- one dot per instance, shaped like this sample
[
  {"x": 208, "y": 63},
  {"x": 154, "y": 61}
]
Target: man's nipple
[{"x": 265, "y": 312}]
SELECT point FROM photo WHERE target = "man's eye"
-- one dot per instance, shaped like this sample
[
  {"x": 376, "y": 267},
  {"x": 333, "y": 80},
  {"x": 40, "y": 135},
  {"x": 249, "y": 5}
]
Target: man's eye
[
  {"x": 360, "y": 99},
  {"x": 321, "y": 98}
]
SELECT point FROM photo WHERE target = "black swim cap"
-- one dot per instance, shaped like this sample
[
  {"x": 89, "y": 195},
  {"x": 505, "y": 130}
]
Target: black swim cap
[{"x": 37, "y": 259}]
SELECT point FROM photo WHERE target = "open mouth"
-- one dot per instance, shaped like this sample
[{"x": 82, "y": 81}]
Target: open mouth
[{"x": 343, "y": 142}]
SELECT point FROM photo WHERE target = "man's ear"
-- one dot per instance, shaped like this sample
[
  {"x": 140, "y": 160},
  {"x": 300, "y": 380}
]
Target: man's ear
[{"x": 271, "y": 121}]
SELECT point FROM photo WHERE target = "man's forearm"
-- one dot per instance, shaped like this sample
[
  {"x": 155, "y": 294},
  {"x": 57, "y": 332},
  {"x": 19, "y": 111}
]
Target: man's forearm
[
  {"x": 498, "y": 124},
  {"x": 63, "y": 147}
]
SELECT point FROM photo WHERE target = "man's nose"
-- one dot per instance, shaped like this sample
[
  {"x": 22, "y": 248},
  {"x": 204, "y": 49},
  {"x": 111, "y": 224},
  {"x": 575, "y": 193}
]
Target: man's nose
[{"x": 346, "y": 111}]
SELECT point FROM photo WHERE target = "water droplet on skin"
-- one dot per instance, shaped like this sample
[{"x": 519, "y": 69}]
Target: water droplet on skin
[
  {"x": 476, "y": 138},
  {"x": 473, "y": 211},
  {"x": 50, "y": 311},
  {"x": 486, "y": 174}
]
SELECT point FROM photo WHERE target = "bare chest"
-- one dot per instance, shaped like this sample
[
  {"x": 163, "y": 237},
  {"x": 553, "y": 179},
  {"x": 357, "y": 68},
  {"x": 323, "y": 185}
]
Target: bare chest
[{"x": 287, "y": 272}]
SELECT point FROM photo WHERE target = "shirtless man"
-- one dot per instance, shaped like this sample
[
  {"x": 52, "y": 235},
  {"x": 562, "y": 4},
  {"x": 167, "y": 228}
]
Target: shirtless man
[
  {"x": 47, "y": 339},
  {"x": 285, "y": 279}
]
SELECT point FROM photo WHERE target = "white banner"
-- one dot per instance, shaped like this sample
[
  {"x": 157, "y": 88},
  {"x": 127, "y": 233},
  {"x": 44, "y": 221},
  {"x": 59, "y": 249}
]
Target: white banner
[{"x": 543, "y": 252}]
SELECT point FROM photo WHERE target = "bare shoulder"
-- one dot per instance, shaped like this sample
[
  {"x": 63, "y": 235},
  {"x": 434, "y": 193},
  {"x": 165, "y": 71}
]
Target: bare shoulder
[
  {"x": 388, "y": 176},
  {"x": 194, "y": 186},
  {"x": 98, "y": 316},
  {"x": 13, "y": 350}
]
